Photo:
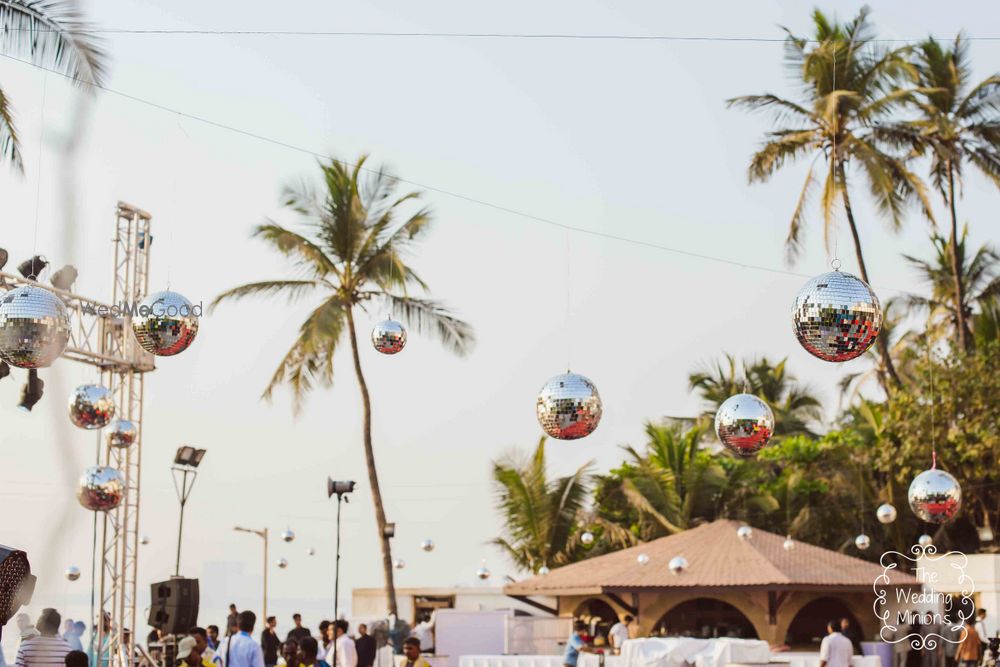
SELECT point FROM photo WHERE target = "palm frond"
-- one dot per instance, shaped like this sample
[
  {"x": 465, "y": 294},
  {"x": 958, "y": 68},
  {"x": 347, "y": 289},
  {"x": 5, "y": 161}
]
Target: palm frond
[
  {"x": 9, "y": 144},
  {"x": 296, "y": 246},
  {"x": 52, "y": 33},
  {"x": 429, "y": 316},
  {"x": 292, "y": 289}
]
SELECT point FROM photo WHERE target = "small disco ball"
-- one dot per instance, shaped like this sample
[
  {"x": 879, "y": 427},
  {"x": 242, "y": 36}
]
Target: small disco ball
[
  {"x": 935, "y": 496},
  {"x": 310, "y": 551},
  {"x": 569, "y": 407},
  {"x": 72, "y": 573},
  {"x": 427, "y": 545},
  {"x": 399, "y": 563},
  {"x": 885, "y": 513},
  {"x": 788, "y": 544},
  {"x": 34, "y": 327},
  {"x": 642, "y": 559},
  {"x": 925, "y": 540},
  {"x": 587, "y": 538},
  {"x": 483, "y": 573},
  {"x": 282, "y": 563},
  {"x": 166, "y": 323},
  {"x": 744, "y": 532},
  {"x": 836, "y": 316},
  {"x": 101, "y": 488},
  {"x": 677, "y": 564},
  {"x": 144, "y": 540},
  {"x": 288, "y": 535},
  {"x": 389, "y": 337},
  {"x": 543, "y": 570},
  {"x": 862, "y": 542},
  {"x": 744, "y": 424},
  {"x": 123, "y": 433},
  {"x": 91, "y": 406}
]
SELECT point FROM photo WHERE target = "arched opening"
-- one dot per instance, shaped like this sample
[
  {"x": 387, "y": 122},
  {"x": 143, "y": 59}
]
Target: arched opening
[
  {"x": 598, "y": 615},
  {"x": 808, "y": 627},
  {"x": 706, "y": 618}
]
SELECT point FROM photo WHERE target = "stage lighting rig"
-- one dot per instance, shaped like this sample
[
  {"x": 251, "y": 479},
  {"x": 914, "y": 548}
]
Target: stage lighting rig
[{"x": 32, "y": 391}]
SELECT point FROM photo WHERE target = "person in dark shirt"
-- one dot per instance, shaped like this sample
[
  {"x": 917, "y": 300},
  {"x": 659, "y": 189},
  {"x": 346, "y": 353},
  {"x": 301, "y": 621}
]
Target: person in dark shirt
[
  {"x": 269, "y": 642},
  {"x": 231, "y": 620},
  {"x": 298, "y": 633},
  {"x": 365, "y": 646},
  {"x": 848, "y": 631}
]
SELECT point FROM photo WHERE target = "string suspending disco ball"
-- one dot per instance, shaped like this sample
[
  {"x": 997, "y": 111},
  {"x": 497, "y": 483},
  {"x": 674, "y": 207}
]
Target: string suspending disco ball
[
  {"x": 836, "y": 316},
  {"x": 569, "y": 407},
  {"x": 165, "y": 323},
  {"x": 885, "y": 513},
  {"x": 34, "y": 327},
  {"x": 744, "y": 424},
  {"x": 587, "y": 538},
  {"x": 389, "y": 336},
  {"x": 123, "y": 433},
  {"x": 101, "y": 488},
  {"x": 744, "y": 532},
  {"x": 935, "y": 496},
  {"x": 677, "y": 564},
  {"x": 72, "y": 573},
  {"x": 427, "y": 545},
  {"x": 282, "y": 563},
  {"x": 91, "y": 406},
  {"x": 862, "y": 542}
]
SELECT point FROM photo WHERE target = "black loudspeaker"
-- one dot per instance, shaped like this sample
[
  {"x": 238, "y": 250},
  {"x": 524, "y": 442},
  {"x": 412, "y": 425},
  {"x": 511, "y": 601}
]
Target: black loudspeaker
[{"x": 174, "y": 605}]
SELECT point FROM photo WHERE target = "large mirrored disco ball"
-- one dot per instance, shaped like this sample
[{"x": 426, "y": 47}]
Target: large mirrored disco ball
[
  {"x": 885, "y": 513},
  {"x": 91, "y": 406},
  {"x": 836, "y": 316},
  {"x": 34, "y": 327},
  {"x": 935, "y": 496},
  {"x": 101, "y": 488},
  {"x": 744, "y": 424},
  {"x": 123, "y": 433},
  {"x": 389, "y": 337},
  {"x": 569, "y": 407},
  {"x": 165, "y": 324}
]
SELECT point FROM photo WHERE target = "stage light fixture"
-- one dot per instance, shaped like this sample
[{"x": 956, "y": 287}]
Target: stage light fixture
[
  {"x": 389, "y": 530},
  {"x": 3, "y": 258},
  {"x": 64, "y": 278},
  {"x": 17, "y": 584},
  {"x": 32, "y": 268},
  {"x": 189, "y": 456},
  {"x": 338, "y": 488},
  {"x": 32, "y": 391}
]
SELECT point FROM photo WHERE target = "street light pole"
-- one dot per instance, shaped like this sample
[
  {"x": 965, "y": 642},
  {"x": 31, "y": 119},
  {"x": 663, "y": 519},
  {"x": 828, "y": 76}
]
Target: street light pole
[
  {"x": 263, "y": 534},
  {"x": 186, "y": 464}
]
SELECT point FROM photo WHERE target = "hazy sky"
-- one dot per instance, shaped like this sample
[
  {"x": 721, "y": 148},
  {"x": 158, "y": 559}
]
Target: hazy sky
[{"x": 631, "y": 138}]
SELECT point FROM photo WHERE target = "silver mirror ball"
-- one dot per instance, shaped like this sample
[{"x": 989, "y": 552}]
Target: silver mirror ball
[
  {"x": 744, "y": 424},
  {"x": 935, "y": 496},
  {"x": 123, "y": 433},
  {"x": 34, "y": 327},
  {"x": 569, "y": 407},
  {"x": 389, "y": 337},
  {"x": 166, "y": 323},
  {"x": 836, "y": 316},
  {"x": 91, "y": 406},
  {"x": 101, "y": 488}
]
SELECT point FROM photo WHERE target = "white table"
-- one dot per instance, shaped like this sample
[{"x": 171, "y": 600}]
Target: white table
[
  {"x": 802, "y": 659},
  {"x": 511, "y": 661},
  {"x": 687, "y": 651}
]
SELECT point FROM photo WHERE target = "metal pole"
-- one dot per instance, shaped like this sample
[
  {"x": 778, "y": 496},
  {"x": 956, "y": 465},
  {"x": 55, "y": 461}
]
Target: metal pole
[
  {"x": 180, "y": 526},
  {"x": 336, "y": 583},
  {"x": 264, "y": 618}
]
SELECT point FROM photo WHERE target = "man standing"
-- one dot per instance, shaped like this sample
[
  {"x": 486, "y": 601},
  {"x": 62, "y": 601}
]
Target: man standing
[
  {"x": 212, "y": 633},
  {"x": 298, "y": 633},
  {"x": 47, "y": 648},
  {"x": 851, "y": 633},
  {"x": 201, "y": 637},
  {"x": 411, "y": 649},
  {"x": 365, "y": 647},
  {"x": 984, "y": 636},
  {"x": 618, "y": 634},
  {"x": 231, "y": 619},
  {"x": 836, "y": 649},
  {"x": 344, "y": 652},
  {"x": 240, "y": 650},
  {"x": 575, "y": 645},
  {"x": 269, "y": 642}
]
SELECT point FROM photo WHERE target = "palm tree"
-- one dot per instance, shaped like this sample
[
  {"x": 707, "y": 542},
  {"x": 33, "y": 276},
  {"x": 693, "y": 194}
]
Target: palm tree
[
  {"x": 351, "y": 253},
  {"x": 795, "y": 407},
  {"x": 51, "y": 34},
  {"x": 956, "y": 123},
  {"x": 850, "y": 83},
  {"x": 541, "y": 516}
]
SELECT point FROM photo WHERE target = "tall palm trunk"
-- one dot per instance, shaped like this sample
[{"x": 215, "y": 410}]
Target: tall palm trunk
[
  {"x": 883, "y": 343},
  {"x": 964, "y": 335},
  {"x": 390, "y": 586}
]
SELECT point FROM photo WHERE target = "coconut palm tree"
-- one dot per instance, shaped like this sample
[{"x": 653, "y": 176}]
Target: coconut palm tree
[
  {"x": 956, "y": 123},
  {"x": 351, "y": 253},
  {"x": 795, "y": 407},
  {"x": 51, "y": 34},
  {"x": 542, "y": 516},
  {"x": 849, "y": 83}
]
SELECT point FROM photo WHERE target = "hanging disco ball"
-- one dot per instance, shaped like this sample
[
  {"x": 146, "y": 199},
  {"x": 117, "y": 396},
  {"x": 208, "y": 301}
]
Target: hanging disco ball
[
  {"x": 543, "y": 570},
  {"x": 587, "y": 538},
  {"x": 123, "y": 433},
  {"x": 935, "y": 496},
  {"x": 744, "y": 532},
  {"x": 72, "y": 573},
  {"x": 836, "y": 316},
  {"x": 144, "y": 540},
  {"x": 34, "y": 327},
  {"x": 288, "y": 535},
  {"x": 677, "y": 564},
  {"x": 744, "y": 424},
  {"x": 310, "y": 551},
  {"x": 166, "y": 323},
  {"x": 925, "y": 540},
  {"x": 885, "y": 513},
  {"x": 101, "y": 488},
  {"x": 483, "y": 573},
  {"x": 91, "y": 406},
  {"x": 862, "y": 542},
  {"x": 389, "y": 337},
  {"x": 642, "y": 559},
  {"x": 282, "y": 563},
  {"x": 788, "y": 544},
  {"x": 399, "y": 563},
  {"x": 427, "y": 545},
  {"x": 569, "y": 407}
]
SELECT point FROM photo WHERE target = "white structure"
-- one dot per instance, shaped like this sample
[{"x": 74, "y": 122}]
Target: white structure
[
  {"x": 414, "y": 602},
  {"x": 983, "y": 569}
]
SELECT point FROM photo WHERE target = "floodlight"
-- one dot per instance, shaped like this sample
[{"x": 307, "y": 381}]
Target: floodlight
[
  {"x": 31, "y": 268},
  {"x": 64, "y": 277},
  {"x": 32, "y": 391},
  {"x": 189, "y": 456},
  {"x": 17, "y": 584},
  {"x": 338, "y": 488}
]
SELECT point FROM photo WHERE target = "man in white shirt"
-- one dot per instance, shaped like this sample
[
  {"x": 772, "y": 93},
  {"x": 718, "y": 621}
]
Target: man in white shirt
[
  {"x": 618, "y": 634},
  {"x": 342, "y": 651},
  {"x": 836, "y": 649}
]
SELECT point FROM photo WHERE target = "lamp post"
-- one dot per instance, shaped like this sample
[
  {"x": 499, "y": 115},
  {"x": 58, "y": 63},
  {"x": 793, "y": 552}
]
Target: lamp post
[
  {"x": 263, "y": 535},
  {"x": 341, "y": 489},
  {"x": 185, "y": 467}
]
